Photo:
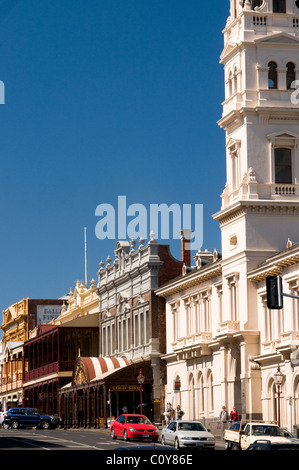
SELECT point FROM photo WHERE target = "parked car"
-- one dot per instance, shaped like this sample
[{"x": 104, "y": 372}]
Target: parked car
[
  {"x": 239, "y": 437},
  {"x": 263, "y": 444},
  {"x": 183, "y": 433},
  {"x": 28, "y": 417},
  {"x": 135, "y": 426}
]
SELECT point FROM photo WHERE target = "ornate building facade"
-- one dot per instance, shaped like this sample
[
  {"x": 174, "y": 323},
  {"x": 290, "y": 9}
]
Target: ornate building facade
[
  {"x": 223, "y": 345},
  {"x": 132, "y": 338},
  {"x": 18, "y": 320}
]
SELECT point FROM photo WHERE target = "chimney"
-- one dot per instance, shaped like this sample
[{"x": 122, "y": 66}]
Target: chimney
[
  {"x": 185, "y": 246},
  {"x": 202, "y": 258}
]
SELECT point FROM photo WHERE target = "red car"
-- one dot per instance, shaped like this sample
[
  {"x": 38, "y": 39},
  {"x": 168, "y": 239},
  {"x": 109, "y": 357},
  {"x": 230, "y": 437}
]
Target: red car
[{"x": 133, "y": 426}]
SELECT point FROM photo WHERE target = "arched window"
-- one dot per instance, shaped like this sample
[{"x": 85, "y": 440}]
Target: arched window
[
  {"x": 291, "y": 75},
  {"x": 230, "y": 84},
  {"x": 283, "y": 165},
  {"x": 256, "y": 3},
  {"x": 235, "y": 81},
  {"x": 272, "y": 76},
  {"x": 279, "y": 6}
]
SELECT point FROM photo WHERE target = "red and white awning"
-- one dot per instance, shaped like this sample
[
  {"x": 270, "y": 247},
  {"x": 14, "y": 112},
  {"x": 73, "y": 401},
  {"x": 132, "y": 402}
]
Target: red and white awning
[
  {"x": 89, "y": 369},
  {"x": 101, "y": 367}
]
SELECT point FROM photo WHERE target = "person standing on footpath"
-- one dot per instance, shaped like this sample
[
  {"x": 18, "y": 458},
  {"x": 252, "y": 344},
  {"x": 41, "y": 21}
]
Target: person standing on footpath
[
  {"x": 169, "y": 412},
  {"x": 233, "y": 414},
  {"x": 179, "y": 412},
  {"x": 223, "y": 414}
]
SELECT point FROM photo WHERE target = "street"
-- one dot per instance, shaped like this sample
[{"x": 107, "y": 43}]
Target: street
[{"x": 59, "y": 439}]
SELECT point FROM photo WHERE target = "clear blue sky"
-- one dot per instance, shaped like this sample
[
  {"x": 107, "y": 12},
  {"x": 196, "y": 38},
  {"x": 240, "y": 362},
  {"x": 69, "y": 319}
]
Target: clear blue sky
[{"x": 102, "y": 98}]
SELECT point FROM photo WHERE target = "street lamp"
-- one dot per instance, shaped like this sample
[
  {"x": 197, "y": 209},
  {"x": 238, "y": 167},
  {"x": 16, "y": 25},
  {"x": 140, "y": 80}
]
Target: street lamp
[
  {"x": 140, "y": 379},
  {"x": 278, "y": 378}
]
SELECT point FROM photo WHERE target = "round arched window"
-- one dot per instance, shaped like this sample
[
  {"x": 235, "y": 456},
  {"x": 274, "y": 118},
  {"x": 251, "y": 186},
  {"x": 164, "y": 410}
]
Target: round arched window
[
  {"x": 272, "y": 75},
  {"x": 256, "y": 3},
  {"x": 291, "y": 75}
]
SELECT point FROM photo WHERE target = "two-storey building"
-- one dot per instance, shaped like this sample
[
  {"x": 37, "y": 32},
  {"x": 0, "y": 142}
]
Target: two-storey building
[{"x": 18, "y": 320}]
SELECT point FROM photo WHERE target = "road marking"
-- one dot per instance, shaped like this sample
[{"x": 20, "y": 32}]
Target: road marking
[{"x": 28, "y": 442}]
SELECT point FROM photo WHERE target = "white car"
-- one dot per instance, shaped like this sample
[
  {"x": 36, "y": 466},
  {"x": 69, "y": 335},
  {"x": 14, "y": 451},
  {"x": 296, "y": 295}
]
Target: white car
[{"x": 190, "y": 434}]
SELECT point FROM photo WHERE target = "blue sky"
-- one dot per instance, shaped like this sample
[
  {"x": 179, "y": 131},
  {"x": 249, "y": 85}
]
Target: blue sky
[{"x": 103, "y": 98}]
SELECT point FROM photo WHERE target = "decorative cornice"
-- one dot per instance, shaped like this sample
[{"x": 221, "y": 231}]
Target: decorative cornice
[
  {"x": 260, "y": 207},
  {"x": 198, "y": 276}
]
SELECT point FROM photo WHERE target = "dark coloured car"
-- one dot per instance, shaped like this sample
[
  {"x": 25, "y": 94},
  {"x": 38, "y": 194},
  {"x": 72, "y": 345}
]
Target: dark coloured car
[
  {"x": 28, "y": 417},
  {"x": 263, "y": 444}
]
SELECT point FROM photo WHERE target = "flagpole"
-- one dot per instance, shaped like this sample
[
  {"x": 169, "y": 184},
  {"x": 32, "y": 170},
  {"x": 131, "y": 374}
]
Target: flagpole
[{"x": 85, "y": 251}]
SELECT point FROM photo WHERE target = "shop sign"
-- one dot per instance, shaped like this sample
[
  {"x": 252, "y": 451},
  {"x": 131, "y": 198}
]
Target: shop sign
[
  {"x": 47, "y": 313},
  {"x": 125, "y": 388}
]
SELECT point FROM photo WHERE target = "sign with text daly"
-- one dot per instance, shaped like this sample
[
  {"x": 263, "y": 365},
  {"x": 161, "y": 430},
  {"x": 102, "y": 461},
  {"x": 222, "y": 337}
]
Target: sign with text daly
[{"x": 47, "y": 313}]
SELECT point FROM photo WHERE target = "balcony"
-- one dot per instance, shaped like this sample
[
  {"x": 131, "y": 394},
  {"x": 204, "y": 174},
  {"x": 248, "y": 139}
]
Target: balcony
[
  {"x": 10, "y": 385},
  {"x": 55, "y": 367},
  {"x": 229, "y": 327},
  {"x": 284, "y": 190},
  {"x": 193, "y": 345}
]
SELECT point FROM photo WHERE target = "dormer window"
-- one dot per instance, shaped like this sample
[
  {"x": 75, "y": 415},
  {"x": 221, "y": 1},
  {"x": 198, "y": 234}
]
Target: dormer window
[{"x": 279, "y": 6}]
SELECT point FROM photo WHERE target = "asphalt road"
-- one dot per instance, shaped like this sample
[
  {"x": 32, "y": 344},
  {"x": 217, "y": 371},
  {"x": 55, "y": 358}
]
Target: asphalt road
[{"x": 74, "y": 440}]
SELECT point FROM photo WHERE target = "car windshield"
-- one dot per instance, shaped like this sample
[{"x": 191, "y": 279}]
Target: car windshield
[
  {"x": 191, "y": 427},
  {"x": 138, "y": 420},
  {"x": 260, "y": 430}
]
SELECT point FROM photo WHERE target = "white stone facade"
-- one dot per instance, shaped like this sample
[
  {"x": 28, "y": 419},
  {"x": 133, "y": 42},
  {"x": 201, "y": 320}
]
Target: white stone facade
[{"x": 223, "y": 344}]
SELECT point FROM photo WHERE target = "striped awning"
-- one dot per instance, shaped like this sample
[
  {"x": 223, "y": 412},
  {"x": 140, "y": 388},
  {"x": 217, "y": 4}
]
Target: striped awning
[{"x": 89, "y": 369}]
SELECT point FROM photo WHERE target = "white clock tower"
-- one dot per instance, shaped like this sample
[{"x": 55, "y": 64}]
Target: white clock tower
[{"x": 260, "y": 202}]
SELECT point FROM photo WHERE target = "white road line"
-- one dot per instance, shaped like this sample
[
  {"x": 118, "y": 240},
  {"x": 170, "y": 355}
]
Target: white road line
[{"x": 28, "y": 443}]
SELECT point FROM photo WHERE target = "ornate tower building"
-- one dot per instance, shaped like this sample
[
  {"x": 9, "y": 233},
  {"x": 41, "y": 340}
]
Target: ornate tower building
[
  {"x": 223, "y": 343},
  {"x": 260, "y": 202}
]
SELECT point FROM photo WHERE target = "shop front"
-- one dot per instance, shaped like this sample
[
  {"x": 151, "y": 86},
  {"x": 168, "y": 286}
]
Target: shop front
[{"x": 103, "y": 388}]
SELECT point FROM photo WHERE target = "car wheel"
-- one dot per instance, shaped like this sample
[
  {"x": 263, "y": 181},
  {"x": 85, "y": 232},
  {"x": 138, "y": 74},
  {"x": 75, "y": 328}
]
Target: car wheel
[
  {"x": 235, "y": 447},
  {"x": 176, "y": 444},
  {"x": 45, "y": 425},
  {"x": 126, "y": 436},
  {"x": 113, "y": 434},
  {"x": 14, "y": 424}
]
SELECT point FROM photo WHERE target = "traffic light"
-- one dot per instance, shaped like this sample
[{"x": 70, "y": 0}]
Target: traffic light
[{"x": 274, "y": 293}]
